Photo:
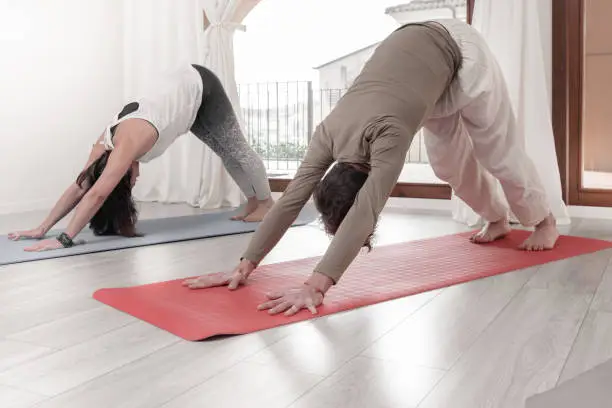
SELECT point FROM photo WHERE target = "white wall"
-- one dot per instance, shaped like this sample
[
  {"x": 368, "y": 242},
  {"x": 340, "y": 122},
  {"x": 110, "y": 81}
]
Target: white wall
[{"x": 61, "y": 76}]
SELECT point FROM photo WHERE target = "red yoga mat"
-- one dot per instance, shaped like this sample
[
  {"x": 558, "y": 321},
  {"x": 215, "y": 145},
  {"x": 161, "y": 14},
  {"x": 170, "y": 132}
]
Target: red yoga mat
[{"x": 386, "y": 273}]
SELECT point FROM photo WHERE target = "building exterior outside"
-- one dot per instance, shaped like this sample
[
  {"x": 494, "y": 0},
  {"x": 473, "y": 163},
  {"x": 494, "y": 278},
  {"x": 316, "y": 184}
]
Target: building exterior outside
[{"x": 340, "y": 72}]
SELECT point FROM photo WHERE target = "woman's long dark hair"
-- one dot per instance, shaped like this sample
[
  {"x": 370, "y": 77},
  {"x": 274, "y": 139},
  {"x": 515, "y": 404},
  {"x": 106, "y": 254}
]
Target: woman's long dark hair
[{"x": 118, "y": 214}]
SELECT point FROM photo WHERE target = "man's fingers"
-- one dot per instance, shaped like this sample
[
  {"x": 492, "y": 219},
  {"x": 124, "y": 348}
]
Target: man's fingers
[
  {"x": 270, "y": 304},
  {"x": 310, "y": 306},
  {"x": 205, "y": 281},
  {"x": 292, "y": 310},
  {"x": 188, "y": 282},
  {"x": 275, "y": 295},
  {"x": 200, "y": 283},
  {"x": 214, "y": 280},
  {"x": 280, "y": 308},
  {"x": 235, "y": 281}
]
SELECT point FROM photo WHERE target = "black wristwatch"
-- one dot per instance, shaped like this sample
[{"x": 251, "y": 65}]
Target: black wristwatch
[{"x": 65, "y": 240}]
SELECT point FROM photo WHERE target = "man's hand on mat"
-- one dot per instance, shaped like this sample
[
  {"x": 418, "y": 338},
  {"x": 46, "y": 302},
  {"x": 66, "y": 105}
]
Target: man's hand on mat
[
  {"x": 46, "y": 245},
  {"x": 35, "y": 233},
  {"x": 232, "y": 279},
  {"x": 293, "y": 300}
]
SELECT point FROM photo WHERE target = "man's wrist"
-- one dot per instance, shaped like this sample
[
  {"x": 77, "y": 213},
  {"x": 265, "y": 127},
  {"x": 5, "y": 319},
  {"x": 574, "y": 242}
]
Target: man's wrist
[
  {"x": 251, "y": 263},
  {"x": 319, "y": 282}
]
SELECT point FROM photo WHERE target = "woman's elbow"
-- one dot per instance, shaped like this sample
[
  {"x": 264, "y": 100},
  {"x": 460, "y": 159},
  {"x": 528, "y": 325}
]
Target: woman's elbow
[
  {"x": 96, "y": 196},
  {"x": 78, "y": 191}
]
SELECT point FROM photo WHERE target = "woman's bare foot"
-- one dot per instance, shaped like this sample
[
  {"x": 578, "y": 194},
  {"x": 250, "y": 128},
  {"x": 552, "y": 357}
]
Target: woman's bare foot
[
  {"x": 250, "y": 206},
  {"x": 544, "y": 236},
  {"x": 260, "y": 212},
  {"x": 492, "y": 231},
  {"x": 254, "y": 210}
]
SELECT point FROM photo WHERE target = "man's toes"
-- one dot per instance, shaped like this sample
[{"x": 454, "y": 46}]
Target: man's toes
[
  {"x": 526, "y": 245},
  {"x": 481, "y": 239}
]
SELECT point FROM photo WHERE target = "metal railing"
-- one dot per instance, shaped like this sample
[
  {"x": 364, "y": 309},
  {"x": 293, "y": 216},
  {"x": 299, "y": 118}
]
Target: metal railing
[{"x": 281, "y": 116}]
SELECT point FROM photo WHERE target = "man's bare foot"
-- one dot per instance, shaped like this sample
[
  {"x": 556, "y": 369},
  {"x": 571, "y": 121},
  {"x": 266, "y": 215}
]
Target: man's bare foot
[
  {"x": 260, "y": 212},
  {"x": 544, "y": 236},
  {"x": 492, "y": 231}
]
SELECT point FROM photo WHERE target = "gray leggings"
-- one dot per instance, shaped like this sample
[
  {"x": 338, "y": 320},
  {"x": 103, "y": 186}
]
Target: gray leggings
[{"x": 217, "y": 126}]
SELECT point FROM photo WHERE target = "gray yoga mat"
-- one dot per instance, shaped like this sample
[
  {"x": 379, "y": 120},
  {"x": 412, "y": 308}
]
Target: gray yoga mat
[
  {"x": 591, "y": 389},
  {"x": 156, "y": 231}
]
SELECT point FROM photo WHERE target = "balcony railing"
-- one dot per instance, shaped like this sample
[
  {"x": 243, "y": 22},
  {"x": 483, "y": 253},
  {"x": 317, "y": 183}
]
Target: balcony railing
[{"x": 281, "y": 116}]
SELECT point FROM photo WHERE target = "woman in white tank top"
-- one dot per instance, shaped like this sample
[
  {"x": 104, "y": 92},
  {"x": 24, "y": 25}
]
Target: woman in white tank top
[{"x": 190, "y": 99}]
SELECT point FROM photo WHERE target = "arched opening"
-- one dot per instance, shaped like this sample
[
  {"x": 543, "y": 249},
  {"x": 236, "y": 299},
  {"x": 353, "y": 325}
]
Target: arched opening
[{"x": 289, "y": 82}]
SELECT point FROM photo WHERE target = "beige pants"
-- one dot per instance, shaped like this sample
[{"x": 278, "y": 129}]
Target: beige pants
[{"x": 472, "y": 138}]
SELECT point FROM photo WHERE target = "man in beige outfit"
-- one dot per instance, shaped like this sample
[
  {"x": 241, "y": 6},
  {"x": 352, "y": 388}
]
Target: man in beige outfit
[{"x": 439, "y": 75}]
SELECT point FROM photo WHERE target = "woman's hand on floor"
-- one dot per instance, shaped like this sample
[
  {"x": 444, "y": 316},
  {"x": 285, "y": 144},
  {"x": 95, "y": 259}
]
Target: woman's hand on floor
[
  {"x": 46, "y": 245},
  {"x": 293, "y": 300},
  {"x": 232, "y": 279},
  {"x": 35, "y": 233}
]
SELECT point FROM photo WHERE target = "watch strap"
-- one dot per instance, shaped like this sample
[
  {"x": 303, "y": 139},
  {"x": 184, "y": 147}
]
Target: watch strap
[{"x": 65, "y": 240}]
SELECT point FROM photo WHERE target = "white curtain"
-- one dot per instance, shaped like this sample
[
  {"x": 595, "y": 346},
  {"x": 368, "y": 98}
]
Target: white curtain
[
  {"x": 159, "y": 35},
  {"x": 215, "y": 188},
  {"x": 513, "y": 30}
]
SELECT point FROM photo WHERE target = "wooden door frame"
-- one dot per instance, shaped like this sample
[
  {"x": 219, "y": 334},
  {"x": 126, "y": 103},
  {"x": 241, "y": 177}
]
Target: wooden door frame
[
  {"x": 405, "y": 190},
  {"x": 568, "y": 58},
  {"x": 560, "y": 100},
  {"x": 470, "y": 10}
]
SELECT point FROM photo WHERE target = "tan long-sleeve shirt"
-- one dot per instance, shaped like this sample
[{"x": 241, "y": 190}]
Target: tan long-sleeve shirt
[{"x": 374, "y": 123}]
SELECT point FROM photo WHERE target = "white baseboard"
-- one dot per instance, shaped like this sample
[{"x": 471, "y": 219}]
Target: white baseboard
[
  {"x": 418, "y": 204},
  {"x": 577, "y": 211}
]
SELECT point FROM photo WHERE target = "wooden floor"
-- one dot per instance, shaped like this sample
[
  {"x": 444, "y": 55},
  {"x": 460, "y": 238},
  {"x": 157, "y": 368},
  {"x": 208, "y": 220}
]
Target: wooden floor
[{"x": 488, "y": 343}]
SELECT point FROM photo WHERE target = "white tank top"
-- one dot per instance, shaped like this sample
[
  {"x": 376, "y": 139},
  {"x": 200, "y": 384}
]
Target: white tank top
[{"x": 171, "y": 107}]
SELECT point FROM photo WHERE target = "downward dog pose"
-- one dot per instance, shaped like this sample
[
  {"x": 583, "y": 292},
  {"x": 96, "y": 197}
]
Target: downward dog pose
[
  {"x": 441, "y": 76},
  {"x": 190, "y": 98}
]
